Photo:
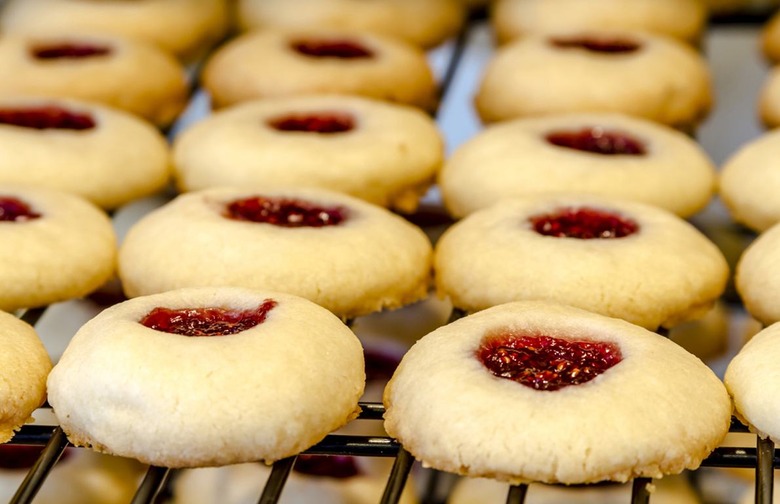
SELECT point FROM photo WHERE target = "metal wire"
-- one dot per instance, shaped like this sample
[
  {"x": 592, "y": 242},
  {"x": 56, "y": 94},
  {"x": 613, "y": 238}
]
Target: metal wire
[
  {"x": 398, "y": 476},
  {"x": 155, "y": 480},
  {"x": 275, "y": 484},
  {"x": 765, "y": 470},
  {"x": 640, "y": 490},
  {"x": 516, "y": 494},
  {"x": 54, "y": 449}
]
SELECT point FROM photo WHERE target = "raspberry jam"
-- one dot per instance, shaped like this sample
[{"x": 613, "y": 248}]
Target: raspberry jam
[
  {"x": 69, "y": 50},
  {"x": 16, "y": 210},
  {"x": 332, "y": 48},
  {"x": 330, "y": 466},
  {"x": 583, "y": 223},
  {"x": 597, "y": 141},
  {"x": 602, "y": 45},
  {"x": 206, "y": 321},
  {"x": 14, "y": 456},
  {"x": 284, "y": 212},
  {"x": 323, "y": 122},
  {"x": 545, "y": 362},
  {"x": 46, "y": 117}
]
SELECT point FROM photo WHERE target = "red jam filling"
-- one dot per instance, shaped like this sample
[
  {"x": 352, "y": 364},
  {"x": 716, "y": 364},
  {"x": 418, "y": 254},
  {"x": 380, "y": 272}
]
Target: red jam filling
[
  {"x": 14, "y": 456},
  {"x": 330, "y": 466},
  {"x": 16, "y": 210},
  {"x": 69, "y": 50},
  {"x": 332, "y": 48},
  {"x": 584, "y": 224},
  {"x": 324, "y": 123},
  {"x": 206, "y": 321},
  {"x": 604, "y": 45},
  {"x": 546, "y": 363},
  {"x": 379, "y": 365},
  {"x": 46, "y": 117},
  {"x": 284, "y": 212},
  {"x": 598, "y": 141}
]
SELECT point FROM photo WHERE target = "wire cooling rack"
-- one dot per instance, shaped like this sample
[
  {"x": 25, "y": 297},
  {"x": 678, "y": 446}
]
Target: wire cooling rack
[{"x": 763, "y": 457}]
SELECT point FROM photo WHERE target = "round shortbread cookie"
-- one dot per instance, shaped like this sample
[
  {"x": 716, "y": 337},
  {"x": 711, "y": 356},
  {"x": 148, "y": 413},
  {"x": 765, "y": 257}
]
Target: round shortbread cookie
[
  {"x": 752, "y": 380},
  {"x": 425, "y": 23},
  {"x": 750, "y": 181},
  {"x": 667, "y": 490},
  {"x": 682, "y": 19},
  {"x": 122, "y": 73},
  {"x": 24, "y": 365},
  {"x": 273, "y": 63},
  {"x": 605, "y": 154},
  {"x": 182, "y": 27},
  {"x": 581, "y": 398},
  {"x": 769, "y": 99},
  {"x": 618, "y": 258},
  {"x": 222, "y": 376},
  {"x": 340, "y": 252},
  {"x": 770, "y": 38},
  {"x": 380, "y": 152},
  {"x": 56, "y": 246},
  {"x": 757, "y": 277},
  {"x": 102, "y": 154},
  {"x": 79, "y": 477},
  {"x": 644, "y": 75}
]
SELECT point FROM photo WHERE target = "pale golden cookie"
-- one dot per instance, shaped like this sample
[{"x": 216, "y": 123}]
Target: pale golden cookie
[
  {"x": 619, "y": 258},
  {"x": 605, "y": 154},
  {"x": 56, "y": 246},
  {"x": 122, "y": 73},
  {"x": 282, "y": 63},
  {"x": 667, "y": 490},
  {"x": 769, "y": 99},
  {"x": 79, "y": 477},
  {"x": 752, "y": 379},
  {"x": 340, "y": 252},
  {"x": 260, "y": 375},
  {"x": 24, "y": 365},
  {"x": 644, "y": 75},
  {"x": 757, "y": 277},
  {"x": 582, "y": 398},
  {"x": 750, "y": 182},
  {"x": 380, "y": 152},
  {"x": 99, "y": 153},
  {"x": 426, "y": 23},
  {"x": 182, "y": 27},
  {"x": 682, "y": 19}
]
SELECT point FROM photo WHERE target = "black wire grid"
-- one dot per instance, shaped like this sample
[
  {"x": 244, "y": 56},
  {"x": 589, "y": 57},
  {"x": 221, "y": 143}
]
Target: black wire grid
[{"x": 763, "y": 458}]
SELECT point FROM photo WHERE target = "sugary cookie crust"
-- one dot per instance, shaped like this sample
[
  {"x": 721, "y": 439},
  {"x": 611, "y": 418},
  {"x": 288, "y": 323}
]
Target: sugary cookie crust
[
  {"x": 426, "y": 23},
  {"x": 682, "y": 19},
  {"x": 752, "y": 380},
  {"x": 664, "y": 274},
  {"x": 750, "y": 181},
  {"x": 135, "y": 76},
  {"x": 119, "y": 160},
  {"x": 633, "y": 420},
  {"x": 167, "y": 399},
  {"x": 182, "y": 27},
  {"x": 66, "y": 253},
  {"x": 24, "y": 365},
  {"x": 373, "y": 260},
  {"x": 664, "y": 81},
  {"x": 514, "y": 159},
  {"x": 757, "y": 279},
  {"x": 262, "y": 64},
  {"x": 768, "y": 103},
  {"x": 390, "y": 157}
]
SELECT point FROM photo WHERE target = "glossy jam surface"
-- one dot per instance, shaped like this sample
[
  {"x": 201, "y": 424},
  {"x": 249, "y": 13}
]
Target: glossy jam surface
[
  {"x": 14, "y": 456},
  {"x": 16, "y": 210},
  {"x": 337, "y": 466},
  {"x": 602, "y": 45},
  {"x": 583, "y": 223},
  {"x": 332, "y": 48},
  {"x": 323, "y": 122},
  {"x": 284, "y": 212},
  {"x": 598, "y": 141},
  {"x": 69, "y": 50},
  {"x": 545, "y": 362},
  {"x": 206, "y": 321},
  {"x": 46, "y": 117}
]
